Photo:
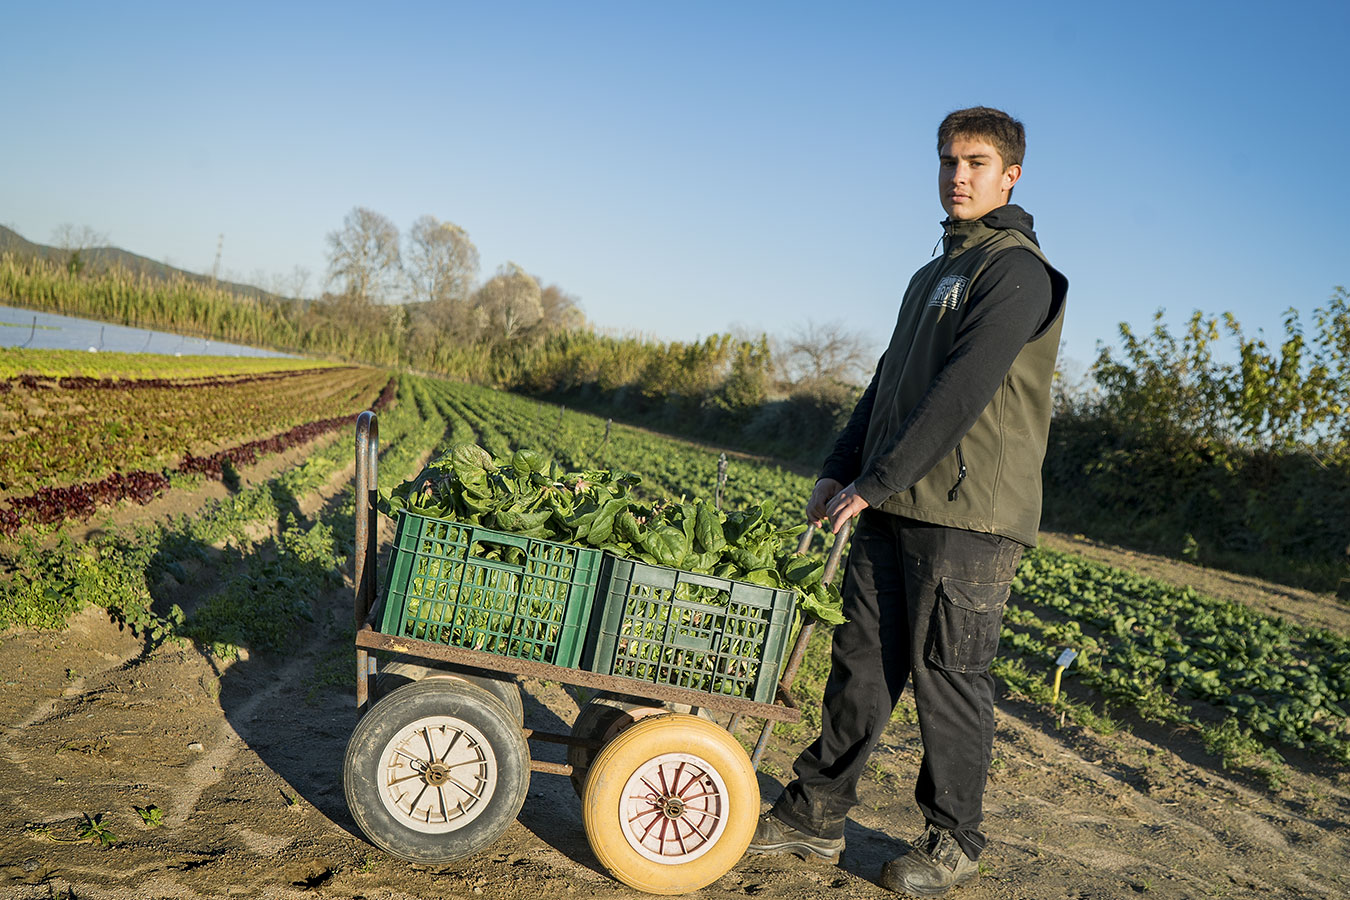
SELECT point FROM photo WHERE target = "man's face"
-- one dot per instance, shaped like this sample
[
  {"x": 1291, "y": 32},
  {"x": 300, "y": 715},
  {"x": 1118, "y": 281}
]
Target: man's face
[{"x": 972, "y": 180}]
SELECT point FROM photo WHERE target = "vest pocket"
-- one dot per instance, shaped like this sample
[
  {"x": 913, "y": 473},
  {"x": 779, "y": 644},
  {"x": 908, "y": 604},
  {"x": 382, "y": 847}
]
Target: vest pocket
[{"x": 963, "y": 634}]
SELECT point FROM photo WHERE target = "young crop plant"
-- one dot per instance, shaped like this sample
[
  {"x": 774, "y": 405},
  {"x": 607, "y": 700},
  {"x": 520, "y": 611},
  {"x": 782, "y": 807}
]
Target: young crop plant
[
  {"x": 151, "y": 815},
  {"x": 1162, "y": 650}
]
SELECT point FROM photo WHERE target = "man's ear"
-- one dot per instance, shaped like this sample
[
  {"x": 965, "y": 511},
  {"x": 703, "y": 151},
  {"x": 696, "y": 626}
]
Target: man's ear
[{"x": 1011, "y": 176}]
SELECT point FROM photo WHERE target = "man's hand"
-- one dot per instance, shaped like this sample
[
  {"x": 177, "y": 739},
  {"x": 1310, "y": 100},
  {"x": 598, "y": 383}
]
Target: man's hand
[
  {"x": 831, "y": 500},
  {"x": 821, "y": 496},
  {"x": 845, "y": 505}
]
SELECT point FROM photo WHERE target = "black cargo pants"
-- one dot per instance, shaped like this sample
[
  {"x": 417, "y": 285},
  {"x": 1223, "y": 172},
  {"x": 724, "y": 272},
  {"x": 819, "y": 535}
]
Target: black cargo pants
[{"x": 924, "y": 602}]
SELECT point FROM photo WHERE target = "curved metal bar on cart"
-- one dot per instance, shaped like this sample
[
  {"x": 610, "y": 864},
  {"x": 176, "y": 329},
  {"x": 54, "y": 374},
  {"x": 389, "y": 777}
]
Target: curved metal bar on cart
[{"x": 367, "y": 537}]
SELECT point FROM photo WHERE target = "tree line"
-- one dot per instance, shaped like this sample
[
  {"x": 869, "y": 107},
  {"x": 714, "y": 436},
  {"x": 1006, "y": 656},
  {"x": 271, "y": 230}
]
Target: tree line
[
  {"x": 1209, "y": 444},
  {"x": 414, "y": 301},
  {"x": 1216, "y": 446}
]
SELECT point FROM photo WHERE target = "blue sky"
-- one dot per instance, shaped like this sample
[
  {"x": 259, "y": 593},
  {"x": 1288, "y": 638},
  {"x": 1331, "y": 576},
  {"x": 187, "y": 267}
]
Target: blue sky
[{"x": 687, "y": 168}]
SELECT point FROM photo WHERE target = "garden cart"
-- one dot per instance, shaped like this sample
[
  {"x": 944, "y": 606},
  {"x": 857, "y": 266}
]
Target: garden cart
[{"x": 439, "y": 763}]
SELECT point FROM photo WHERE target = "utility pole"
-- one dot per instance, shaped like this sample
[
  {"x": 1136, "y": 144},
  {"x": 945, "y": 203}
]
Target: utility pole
[{"x": 215, "y": 268}]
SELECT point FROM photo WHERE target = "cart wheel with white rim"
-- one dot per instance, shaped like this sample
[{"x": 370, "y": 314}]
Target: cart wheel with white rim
[
  {"x": 436, "y": 771},
  {"x": 671, "y": 804}
]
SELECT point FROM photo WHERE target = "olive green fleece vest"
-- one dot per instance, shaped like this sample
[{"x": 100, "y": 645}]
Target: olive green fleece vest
[{"x": 1000, "y": 491}]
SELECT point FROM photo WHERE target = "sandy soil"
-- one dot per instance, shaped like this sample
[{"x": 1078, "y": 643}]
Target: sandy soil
[{"x": 244, "y": 761}]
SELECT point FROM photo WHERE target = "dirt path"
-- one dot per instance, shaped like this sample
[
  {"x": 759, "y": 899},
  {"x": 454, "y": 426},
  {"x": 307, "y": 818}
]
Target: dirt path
[{"x": 243, "y": 761}]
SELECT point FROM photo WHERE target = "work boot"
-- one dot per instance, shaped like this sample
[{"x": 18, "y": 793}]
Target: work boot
[
  {"x": 773, "y": 835},
  {"x": 935, "y": 865}
]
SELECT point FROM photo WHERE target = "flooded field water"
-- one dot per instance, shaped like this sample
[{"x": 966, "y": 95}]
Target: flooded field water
[{"x": 48, "y": 331}]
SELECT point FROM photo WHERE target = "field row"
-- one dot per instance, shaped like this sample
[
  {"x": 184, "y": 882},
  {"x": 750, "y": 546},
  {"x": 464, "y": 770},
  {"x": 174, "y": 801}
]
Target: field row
[
  {"x": 16, "y": 361},
  {"x": 54, "y": 437}
]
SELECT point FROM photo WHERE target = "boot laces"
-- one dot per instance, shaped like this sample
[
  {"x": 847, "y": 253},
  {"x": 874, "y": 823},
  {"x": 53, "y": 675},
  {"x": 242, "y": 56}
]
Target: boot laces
[{"x": 940, "y": 846}]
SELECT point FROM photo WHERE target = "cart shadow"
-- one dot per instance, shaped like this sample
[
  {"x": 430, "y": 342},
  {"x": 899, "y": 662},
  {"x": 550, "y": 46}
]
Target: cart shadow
[
  {"x": 552, "y": 811},
  {"x": 302, "y": 743},
  {"x": 287, "y": 698}
]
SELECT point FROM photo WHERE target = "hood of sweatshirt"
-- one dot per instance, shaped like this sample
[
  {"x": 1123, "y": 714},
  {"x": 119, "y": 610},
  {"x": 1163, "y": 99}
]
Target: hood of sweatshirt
[{"x": 957, "y": 235}]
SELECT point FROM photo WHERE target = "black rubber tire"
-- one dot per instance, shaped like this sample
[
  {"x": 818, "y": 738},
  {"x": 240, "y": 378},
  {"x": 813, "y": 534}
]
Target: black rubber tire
[
  {"x": 425, "y": 804},
  {"x": 397, "y": 672}
]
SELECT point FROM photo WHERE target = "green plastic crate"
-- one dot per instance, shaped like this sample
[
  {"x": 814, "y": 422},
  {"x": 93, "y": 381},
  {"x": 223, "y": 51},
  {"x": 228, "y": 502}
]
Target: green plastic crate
[
  {"x": 457, "y": 584},
  {"x": 668, "y": 626}
]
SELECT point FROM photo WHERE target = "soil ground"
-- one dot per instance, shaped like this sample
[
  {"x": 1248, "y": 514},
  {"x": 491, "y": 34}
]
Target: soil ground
[{"x": 244, "y": 761}]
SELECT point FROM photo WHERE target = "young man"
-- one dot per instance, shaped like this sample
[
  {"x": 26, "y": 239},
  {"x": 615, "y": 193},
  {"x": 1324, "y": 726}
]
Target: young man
[{"x": 940, "y": 462}]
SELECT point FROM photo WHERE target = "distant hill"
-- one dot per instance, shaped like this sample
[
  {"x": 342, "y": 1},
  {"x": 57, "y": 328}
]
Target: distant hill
[{"x": 102, "y": 259}]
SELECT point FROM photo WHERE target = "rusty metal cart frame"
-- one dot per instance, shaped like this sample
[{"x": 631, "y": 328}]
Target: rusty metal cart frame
[{"x": 369, "y": 641}]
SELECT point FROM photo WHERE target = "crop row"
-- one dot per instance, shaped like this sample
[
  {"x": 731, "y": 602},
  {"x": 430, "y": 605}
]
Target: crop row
[
  {"x": 262, "y": 590},
  {"x": 16, "y": 361},
  {"x": 88, "y": 382},
  {"x": 48, "y": 505},
  {"x": 669, "y": 468},
  {"x": 1170, "y": 652},
  {"x": 55, "y": 437}
]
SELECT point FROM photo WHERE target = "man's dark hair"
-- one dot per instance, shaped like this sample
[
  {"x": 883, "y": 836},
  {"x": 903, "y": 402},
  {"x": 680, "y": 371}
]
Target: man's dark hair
[{"x": 994, "y": 125}]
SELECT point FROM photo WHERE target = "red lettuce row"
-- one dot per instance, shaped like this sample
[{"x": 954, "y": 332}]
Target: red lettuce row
[{"x": 80, "y": 501}]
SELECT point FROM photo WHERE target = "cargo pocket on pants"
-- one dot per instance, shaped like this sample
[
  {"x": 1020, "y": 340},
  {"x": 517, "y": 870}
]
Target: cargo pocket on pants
[{"x": 963, "y": 635}]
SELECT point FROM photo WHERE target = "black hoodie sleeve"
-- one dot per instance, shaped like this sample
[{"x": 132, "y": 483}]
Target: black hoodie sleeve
[
  {"x": 1009, "y": 306},
  {"x": 845, "y": 460}
]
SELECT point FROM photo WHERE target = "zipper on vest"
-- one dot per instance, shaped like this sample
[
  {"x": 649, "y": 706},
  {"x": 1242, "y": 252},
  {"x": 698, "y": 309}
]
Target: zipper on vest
[{"x": 960, "y": 476}]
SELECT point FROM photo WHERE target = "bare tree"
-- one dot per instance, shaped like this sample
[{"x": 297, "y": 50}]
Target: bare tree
[
  {"x": 363, "y": 256},
  {"x": 289, "y": 284},
  {"x": 560, "y": 310},
  {"x": 827, "y": 352},
  {"x": 440, "y": 261},
  {"x": 295, "y": 284},
  {"x": 511, "y": 301},
  {"x": 76, "y": 241}
]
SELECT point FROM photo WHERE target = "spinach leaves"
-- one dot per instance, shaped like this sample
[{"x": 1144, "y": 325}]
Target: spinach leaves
[{"x": 528, "y": 494}]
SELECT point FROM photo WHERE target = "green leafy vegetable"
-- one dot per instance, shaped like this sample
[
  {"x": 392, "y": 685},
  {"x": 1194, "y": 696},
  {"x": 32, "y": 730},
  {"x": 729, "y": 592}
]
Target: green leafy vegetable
[{"x": 526, "y": 494}]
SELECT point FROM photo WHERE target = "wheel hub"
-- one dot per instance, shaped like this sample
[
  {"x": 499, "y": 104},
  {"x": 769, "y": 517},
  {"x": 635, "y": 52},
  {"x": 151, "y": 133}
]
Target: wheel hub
[
  {"x": 671, "y": 807},
  {"x": 437, "y": 774}
]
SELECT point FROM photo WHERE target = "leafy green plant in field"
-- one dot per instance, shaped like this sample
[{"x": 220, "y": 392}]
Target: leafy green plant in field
[
  {"x": 262, "y": 606},
  {"x": 151, "y": 815},
  {"x": 94, "y": 830},
  {"x": 1160, "y": 650}
]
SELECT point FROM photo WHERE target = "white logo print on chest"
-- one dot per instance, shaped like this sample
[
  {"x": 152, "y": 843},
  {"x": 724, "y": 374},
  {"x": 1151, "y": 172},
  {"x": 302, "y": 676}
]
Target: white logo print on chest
[{"x": 949, "y": 292}]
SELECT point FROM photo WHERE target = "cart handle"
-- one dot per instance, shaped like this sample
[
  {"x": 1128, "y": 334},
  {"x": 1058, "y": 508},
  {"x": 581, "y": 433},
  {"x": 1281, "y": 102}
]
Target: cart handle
[{"x": 367, "y": 537}]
